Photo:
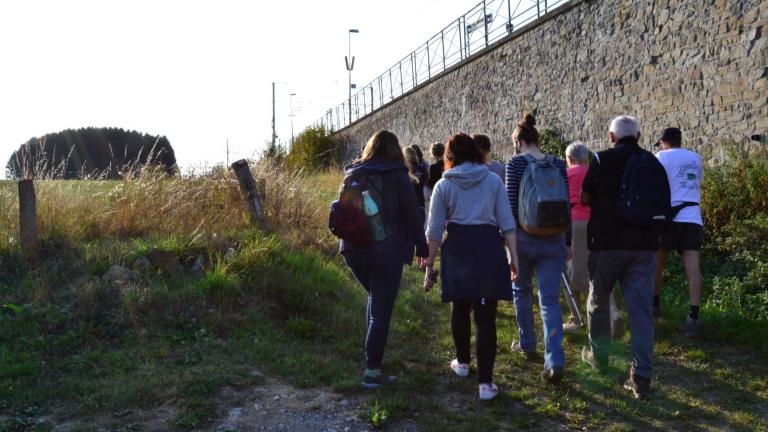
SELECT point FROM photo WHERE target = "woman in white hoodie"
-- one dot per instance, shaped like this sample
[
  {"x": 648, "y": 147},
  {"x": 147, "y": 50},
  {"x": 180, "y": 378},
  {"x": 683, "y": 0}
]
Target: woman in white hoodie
[{"x": 472, "y": 203}]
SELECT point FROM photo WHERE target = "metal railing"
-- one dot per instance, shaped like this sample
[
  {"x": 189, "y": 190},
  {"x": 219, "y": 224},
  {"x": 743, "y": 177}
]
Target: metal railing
[{"x": 484, "y": 24}]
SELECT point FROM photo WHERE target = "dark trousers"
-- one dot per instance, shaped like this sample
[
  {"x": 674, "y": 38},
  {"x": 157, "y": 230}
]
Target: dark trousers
[
  {"x": 485, "y": 322},
  {"x": 380, "y": 276},
  {"x": 634, "y": 271}
]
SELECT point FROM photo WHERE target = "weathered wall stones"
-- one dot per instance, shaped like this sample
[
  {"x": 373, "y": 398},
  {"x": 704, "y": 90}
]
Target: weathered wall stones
[{"x": 701, "y": 65}]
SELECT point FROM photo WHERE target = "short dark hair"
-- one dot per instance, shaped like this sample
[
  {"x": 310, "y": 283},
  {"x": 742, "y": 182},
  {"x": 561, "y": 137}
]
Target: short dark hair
[
  {"x": 437, "y": 149},
  {"x": 483, "y": 142},
  {"x": 417, "y": 149},
  {"x": 462, "y": 148}
]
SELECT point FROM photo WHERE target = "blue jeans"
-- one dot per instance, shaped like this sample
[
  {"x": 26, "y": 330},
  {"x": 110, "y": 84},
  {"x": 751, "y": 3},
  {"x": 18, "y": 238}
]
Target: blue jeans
[
  {"x": 380, "y": 276},
  {"x": 546, "y": 257}
]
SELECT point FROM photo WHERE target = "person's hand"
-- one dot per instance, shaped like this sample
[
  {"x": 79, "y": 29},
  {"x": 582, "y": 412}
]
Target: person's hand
[
  {"x": 429, "y": 278},
  {"x": 569, "y": 255},
  {"x": 426, "y": 262},
  {"x": 513, "y": 269}
]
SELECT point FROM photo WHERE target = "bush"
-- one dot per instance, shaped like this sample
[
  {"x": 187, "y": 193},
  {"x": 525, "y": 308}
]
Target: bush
[
  {"x": 552, "y": 142},
  {"x": 735, "y": 212},
  {"x": 314, "y": 149}
]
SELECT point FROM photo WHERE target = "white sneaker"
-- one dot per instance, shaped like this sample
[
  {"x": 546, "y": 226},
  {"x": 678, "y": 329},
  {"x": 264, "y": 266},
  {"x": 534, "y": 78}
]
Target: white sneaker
[
  {"x": 488, "y": 391},
  {"x": 461, "y": 369}
]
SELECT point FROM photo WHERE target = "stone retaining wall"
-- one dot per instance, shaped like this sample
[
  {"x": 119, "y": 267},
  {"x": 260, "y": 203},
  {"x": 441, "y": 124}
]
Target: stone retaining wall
[{"x": 701, "y": 65}]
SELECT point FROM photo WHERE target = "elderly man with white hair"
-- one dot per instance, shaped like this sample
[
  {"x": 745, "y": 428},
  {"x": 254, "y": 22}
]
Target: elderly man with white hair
[{"x": 619, "y": 252}]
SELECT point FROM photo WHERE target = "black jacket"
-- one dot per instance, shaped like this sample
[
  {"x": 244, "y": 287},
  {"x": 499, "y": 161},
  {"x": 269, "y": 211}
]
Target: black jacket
[
  {"x": 399, "y": 211},
  {"x": 606, "y": 230}
]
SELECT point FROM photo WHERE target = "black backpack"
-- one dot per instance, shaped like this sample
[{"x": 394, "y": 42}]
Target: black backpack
[
  {"x": 644, "y": 194},
  {"x": 356, "y": 215}
]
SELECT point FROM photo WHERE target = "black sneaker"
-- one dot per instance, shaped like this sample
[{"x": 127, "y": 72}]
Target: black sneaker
[
  {"x": 640, "y": 386},
  {"x": 553, "y": 375},
  {"x": 691, "y": 328},
  {"x": 374, "y": 382}
]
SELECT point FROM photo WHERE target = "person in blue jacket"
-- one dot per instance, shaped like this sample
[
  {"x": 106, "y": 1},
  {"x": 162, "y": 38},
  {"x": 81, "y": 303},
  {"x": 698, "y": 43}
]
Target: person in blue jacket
[{"x": 379, "y": 266}]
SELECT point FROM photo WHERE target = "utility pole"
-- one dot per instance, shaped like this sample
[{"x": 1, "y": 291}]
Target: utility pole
[
  {"x": 274, "y": 134},
  {"x": 350, "y": 61},
  {"x": 290, "y": 104},
  {"x": 227, "y": 151}
]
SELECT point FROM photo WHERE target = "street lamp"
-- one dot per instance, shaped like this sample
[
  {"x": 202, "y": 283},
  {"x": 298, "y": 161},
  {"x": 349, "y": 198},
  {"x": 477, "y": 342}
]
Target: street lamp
[
  {"x": 350, "y": 61},
  {"x": 290, "y": 104}
]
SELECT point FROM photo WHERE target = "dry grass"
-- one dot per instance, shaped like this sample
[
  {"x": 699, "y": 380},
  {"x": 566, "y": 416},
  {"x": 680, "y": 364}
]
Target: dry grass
[{"x": 153, "y": 204}]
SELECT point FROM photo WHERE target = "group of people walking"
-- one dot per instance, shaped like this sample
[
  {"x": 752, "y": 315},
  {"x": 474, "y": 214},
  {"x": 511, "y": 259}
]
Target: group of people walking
[{"x": 495, "y": 228}]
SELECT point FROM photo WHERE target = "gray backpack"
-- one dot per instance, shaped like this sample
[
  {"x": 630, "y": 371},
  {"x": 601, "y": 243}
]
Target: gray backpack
[{"x": 544, "y": 205}]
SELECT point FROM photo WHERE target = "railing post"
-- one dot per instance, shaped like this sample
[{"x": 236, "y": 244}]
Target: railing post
[
  {"x": 485, "y": 23},
  {"x": 402, "y": 88},
  {"x": 381, "y": 92},
  {"x": 413, "y": 69},
  {"x": 538, "y": 10},
  {"x": 371, "y": 97},
  {"x": 546, "y": 9},
  {"x": 461, "y": 45},
  {"x": 429, "y": 63},
  {"x": 509, "y": 16},
  {"x": 442, "y": 45},
  {"x": 391, "y": 86}
]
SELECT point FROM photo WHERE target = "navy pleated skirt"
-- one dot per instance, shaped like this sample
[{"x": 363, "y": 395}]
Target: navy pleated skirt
[{"x": 473, "y": 264}]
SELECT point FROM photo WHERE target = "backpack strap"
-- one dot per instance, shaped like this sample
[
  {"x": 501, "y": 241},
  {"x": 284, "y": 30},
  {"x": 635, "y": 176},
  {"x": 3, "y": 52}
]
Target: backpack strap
[
  {"x": 676, "y": 209},
  {"x": 529, "y": 158}
]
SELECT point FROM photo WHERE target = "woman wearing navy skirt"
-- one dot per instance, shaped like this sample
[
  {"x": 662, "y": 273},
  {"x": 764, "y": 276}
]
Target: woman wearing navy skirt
[{"x": 475, "y": 273}]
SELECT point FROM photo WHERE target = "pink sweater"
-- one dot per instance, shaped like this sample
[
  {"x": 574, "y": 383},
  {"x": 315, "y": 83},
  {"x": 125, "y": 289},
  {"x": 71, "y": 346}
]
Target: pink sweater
[{"x": 576, "y": 176}]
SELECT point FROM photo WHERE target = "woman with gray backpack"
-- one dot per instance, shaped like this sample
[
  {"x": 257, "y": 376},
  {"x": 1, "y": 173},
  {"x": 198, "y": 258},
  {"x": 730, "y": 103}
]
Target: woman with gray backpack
[{"x": 537, "y": 188}]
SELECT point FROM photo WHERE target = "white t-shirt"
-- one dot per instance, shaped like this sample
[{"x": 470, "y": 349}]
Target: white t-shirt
[{"x": 685, "y": 173}]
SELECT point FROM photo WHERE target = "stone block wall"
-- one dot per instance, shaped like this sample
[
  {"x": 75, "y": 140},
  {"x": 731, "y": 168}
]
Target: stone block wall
[{"x": 701, "y": 65}]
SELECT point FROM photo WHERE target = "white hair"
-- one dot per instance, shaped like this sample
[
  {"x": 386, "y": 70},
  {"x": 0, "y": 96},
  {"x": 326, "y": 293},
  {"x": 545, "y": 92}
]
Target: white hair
[
  {"x": 624, "y": 126},
  {"x": 578, "y": 151}
]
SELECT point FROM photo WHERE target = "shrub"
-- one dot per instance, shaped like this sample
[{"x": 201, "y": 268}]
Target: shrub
[
  {"x": 735, "y": 212},
  {"x": 314, "y": 149},
  {"x": 551, "y": 141}
]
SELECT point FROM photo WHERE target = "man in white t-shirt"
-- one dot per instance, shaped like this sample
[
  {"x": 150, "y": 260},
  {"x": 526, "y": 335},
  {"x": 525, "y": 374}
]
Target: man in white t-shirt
[{"x": 686, "y": 233}]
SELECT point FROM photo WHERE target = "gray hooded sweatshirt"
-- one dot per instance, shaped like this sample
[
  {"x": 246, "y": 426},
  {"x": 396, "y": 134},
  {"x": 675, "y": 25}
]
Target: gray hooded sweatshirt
[{"x": 469, "y": 194}]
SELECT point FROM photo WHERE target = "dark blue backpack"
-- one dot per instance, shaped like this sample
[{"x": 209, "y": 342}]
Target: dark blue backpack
[{"x": 644, "y": 194}]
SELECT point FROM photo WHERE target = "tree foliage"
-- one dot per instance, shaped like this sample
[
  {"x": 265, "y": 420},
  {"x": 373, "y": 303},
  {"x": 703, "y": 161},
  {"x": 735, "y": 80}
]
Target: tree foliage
[
  {"x": 314, "y": 149},
  {"x": 90, "y": 153}
]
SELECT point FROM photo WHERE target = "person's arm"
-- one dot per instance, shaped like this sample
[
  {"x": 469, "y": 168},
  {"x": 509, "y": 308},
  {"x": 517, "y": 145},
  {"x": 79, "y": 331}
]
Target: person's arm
[
  {"x": 508, "y": 227},
  {"x": 513, "y": 175},
  {"x": 588, "y": 186},
  {"x": 568, "y": 232},
  {"x": 510, "y": 238},
  {"x": 409, "y": 205}
]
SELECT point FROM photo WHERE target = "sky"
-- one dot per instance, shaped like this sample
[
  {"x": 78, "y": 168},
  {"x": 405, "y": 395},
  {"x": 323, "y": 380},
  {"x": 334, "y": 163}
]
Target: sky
[{"x": 198, "y": 72}]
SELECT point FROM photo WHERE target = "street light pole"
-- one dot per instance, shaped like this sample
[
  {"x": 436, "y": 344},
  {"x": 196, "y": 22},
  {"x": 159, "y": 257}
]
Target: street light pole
[
  {"x": 290, "y": 104},
  {"x": 350, "y": 61}
]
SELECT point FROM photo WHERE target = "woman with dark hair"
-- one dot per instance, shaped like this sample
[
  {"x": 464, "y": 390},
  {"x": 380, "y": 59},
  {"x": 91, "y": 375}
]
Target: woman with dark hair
[
  {"x": 436, "y": 169},
  {"x": 418, "y": 174},
  {"x": 495, "y": 166},
  {"x": 475, "y": 273},
  {"x": 378, "y": 266},
  {"x": 544, "y": 255}
]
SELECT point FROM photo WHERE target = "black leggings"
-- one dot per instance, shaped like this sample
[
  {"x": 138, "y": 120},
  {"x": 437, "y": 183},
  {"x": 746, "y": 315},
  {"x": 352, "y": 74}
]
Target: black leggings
[{"x": 485, "y": 322}]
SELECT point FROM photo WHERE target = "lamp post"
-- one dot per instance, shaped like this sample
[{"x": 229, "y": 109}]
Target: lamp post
[
  {"x": 350, "y": 61},
  {"x": 290, "y": 105}
]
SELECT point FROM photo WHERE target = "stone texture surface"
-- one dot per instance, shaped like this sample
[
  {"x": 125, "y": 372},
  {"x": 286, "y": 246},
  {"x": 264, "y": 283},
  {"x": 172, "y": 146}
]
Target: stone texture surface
[{"x": 701, "y": 65}]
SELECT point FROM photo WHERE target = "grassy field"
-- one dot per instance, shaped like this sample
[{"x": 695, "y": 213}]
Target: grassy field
[{"x": 77, "y": 348}]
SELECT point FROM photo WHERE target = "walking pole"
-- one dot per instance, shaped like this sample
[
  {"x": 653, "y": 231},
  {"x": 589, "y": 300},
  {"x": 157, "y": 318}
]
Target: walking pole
[{"x": 571, "y": 300}]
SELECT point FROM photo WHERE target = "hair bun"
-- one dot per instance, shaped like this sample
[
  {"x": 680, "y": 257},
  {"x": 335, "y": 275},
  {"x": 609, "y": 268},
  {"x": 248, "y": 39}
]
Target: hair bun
[{"x": 530, "y": 119}]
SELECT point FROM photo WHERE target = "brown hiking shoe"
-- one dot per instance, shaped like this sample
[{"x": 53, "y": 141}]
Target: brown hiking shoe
[
  {"x": 530, "y": 356},
  {"x": 640, "y": 386}
]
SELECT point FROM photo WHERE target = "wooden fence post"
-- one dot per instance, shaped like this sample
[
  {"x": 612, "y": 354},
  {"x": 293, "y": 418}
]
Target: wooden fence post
[
  {"x": 248, "y": 187},
  {"x": 28, "y": 235}
]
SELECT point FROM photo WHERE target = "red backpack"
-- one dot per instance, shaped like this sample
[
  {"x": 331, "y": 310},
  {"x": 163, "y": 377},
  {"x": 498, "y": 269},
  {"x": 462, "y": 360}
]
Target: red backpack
[{"x": 356, "y": 216}]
